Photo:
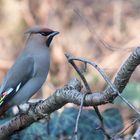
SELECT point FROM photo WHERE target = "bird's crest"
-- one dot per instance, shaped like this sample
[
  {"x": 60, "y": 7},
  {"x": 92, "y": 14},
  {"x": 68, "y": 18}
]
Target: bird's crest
[{"x": 38, "y": 29}]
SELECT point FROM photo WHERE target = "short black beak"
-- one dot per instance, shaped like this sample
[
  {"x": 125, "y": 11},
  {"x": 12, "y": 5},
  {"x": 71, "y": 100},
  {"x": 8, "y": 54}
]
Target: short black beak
[{"x": 50, "y": 37}]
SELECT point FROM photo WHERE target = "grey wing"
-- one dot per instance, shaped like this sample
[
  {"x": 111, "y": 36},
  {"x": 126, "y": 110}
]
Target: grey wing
[{"x": 19, "y": 74}]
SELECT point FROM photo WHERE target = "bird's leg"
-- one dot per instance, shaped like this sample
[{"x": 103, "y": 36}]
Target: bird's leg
[
  {"x": 20, "y": 110},
  {"x": 32, "y": 105},
  {"x": 33, "y": 111},
  {"x": 26, "y": 110}
]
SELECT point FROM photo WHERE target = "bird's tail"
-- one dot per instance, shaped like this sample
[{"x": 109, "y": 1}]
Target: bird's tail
[{"x": 4, "y": 97}]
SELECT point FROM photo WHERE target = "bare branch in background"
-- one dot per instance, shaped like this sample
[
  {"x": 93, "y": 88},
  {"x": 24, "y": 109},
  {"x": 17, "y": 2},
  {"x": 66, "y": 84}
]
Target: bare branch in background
[
  {"x": 106, "y": 78},
  {"x": 91, "y": 29},
  {"x": 122, "y": 132},
  {"x": 88, "y": 91}
]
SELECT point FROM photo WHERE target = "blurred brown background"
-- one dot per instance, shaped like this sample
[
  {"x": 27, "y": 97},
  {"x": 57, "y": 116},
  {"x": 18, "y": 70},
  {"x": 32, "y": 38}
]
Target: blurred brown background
[{"x": 104, "y": 31}]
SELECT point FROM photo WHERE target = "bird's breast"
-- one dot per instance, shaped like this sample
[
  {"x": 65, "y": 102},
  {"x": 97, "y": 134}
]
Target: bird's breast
[
  {"x": 42, "y": 64},
  {"x": 41, "y": 55}
]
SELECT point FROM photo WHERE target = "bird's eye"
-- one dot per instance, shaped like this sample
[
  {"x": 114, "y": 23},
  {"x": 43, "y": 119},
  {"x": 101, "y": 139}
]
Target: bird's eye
[{"x": 43, "y": 33}]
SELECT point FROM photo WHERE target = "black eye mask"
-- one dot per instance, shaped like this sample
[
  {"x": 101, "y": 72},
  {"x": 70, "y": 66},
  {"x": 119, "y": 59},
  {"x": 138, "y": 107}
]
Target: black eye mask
[
  {"x": 45, "y": 33},
  {"x": 49, "y": 35}
]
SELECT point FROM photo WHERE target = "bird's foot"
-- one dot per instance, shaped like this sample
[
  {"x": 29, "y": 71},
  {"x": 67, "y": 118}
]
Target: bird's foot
[
  {"x": 21, "y": 110},
  {"x": 24, "y": 108},
  {"x": 34, "y": 104}
]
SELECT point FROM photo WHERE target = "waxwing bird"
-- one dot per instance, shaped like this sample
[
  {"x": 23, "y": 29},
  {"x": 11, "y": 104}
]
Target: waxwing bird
[{"x": 29, "y": 71}]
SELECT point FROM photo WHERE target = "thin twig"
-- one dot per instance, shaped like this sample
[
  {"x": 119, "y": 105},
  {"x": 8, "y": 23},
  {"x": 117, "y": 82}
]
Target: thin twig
[
  {"x": 136, "y": 135},
  {"x": 81, "y": 75},
  {"x": 88, "y": 92},
  {"x": 81, "y": 104},
  {"x": 98, "y": 40},
  {"x": 78, "y": 117},
  {"x": 121, "y": 133}
]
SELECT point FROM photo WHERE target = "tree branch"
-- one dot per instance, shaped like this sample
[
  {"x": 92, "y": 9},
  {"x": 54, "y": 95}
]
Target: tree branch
[
  {"x": 124, "y": 73},
  {"x": 70, "y": 93},
  {"x": 54, "y": 102}
]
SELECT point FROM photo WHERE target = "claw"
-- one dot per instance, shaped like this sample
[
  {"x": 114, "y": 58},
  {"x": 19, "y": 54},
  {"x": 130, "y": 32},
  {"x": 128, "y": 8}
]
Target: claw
[{"x": 21, "y": 110}]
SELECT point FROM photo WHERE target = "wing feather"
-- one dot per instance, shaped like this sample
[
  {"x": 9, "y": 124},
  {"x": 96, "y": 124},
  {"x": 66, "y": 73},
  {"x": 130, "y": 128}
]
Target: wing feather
[{"x": 16, "y": 77}]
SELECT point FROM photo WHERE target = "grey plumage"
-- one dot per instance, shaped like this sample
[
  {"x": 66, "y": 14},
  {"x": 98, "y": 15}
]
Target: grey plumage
[{"x": 31, "y": 68}]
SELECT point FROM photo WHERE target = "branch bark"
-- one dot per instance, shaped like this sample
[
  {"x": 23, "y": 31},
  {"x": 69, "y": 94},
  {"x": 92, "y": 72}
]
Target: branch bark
[{"x": 70, "y": 93}]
